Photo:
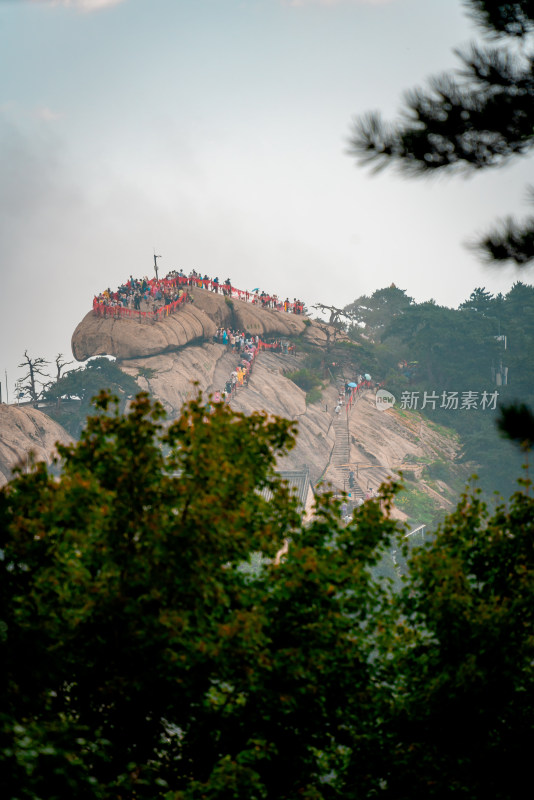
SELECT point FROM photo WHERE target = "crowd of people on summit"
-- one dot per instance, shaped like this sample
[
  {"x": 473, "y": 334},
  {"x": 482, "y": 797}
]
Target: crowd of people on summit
[
  {"x": 141, "y": 295},
  {"x": 152, "y": 295},
  {"x": 253, "y": 296}
]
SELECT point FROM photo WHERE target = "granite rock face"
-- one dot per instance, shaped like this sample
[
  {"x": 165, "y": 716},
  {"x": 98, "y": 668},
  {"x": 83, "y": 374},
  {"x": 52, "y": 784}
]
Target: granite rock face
[
  {"x": 379, "y": 443},
  {"x": 139, "y": 337},
  {"x": 174, "y": 378},
  {"x": 23, "y": 430},
  {"x": 384, "y": 442},
  {"x": 176, "y": 358},
  {"x": 130, "y": 338}
]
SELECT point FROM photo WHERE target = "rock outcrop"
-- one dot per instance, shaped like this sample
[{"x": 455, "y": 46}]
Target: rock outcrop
[
  {"x": 23, "y": 430},
  {"x": 173, "y": 378},
  {"x": 139, "y": 337},
  {"x": 176, "y": 357}
]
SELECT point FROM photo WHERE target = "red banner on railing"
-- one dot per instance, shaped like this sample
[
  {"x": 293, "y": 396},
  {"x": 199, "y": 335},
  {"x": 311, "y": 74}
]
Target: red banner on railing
[
  {"x": 104, "y": 310},
  {"x": 270, "y": 302}
]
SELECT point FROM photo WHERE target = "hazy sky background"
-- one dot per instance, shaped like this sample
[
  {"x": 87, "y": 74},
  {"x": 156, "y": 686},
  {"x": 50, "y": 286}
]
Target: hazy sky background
[{"x": 216, "y": 132}]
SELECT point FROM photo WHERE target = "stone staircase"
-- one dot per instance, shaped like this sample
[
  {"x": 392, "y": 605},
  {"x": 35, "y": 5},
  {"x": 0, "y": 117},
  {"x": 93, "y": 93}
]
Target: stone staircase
[{"x": 341, "y": 455}]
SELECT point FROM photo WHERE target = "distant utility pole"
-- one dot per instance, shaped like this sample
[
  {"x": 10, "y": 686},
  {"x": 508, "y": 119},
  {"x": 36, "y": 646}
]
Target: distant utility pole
[{"x": 156, "y": 264}]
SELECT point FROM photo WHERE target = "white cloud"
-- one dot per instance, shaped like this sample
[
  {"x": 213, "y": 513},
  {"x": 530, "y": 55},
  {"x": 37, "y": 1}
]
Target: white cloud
[
  {"x": 47, "y": 115},
  {"x": 82, "y": 5}
]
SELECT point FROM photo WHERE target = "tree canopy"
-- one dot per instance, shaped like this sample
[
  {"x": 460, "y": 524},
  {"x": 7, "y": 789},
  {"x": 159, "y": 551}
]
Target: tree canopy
[
  {"x": 146, "y": 652},
  {"x": 373, "y": 314},
  {"x": 138, "y": 656},
  {"x": 459, "y": 686}
]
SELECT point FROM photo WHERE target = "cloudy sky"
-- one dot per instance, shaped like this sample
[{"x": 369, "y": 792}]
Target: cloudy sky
[{"x": 216, "y": 132}]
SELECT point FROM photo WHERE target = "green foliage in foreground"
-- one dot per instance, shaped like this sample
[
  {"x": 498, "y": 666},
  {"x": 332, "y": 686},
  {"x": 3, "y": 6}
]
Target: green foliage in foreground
[{"x": 140, "y": 658}]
